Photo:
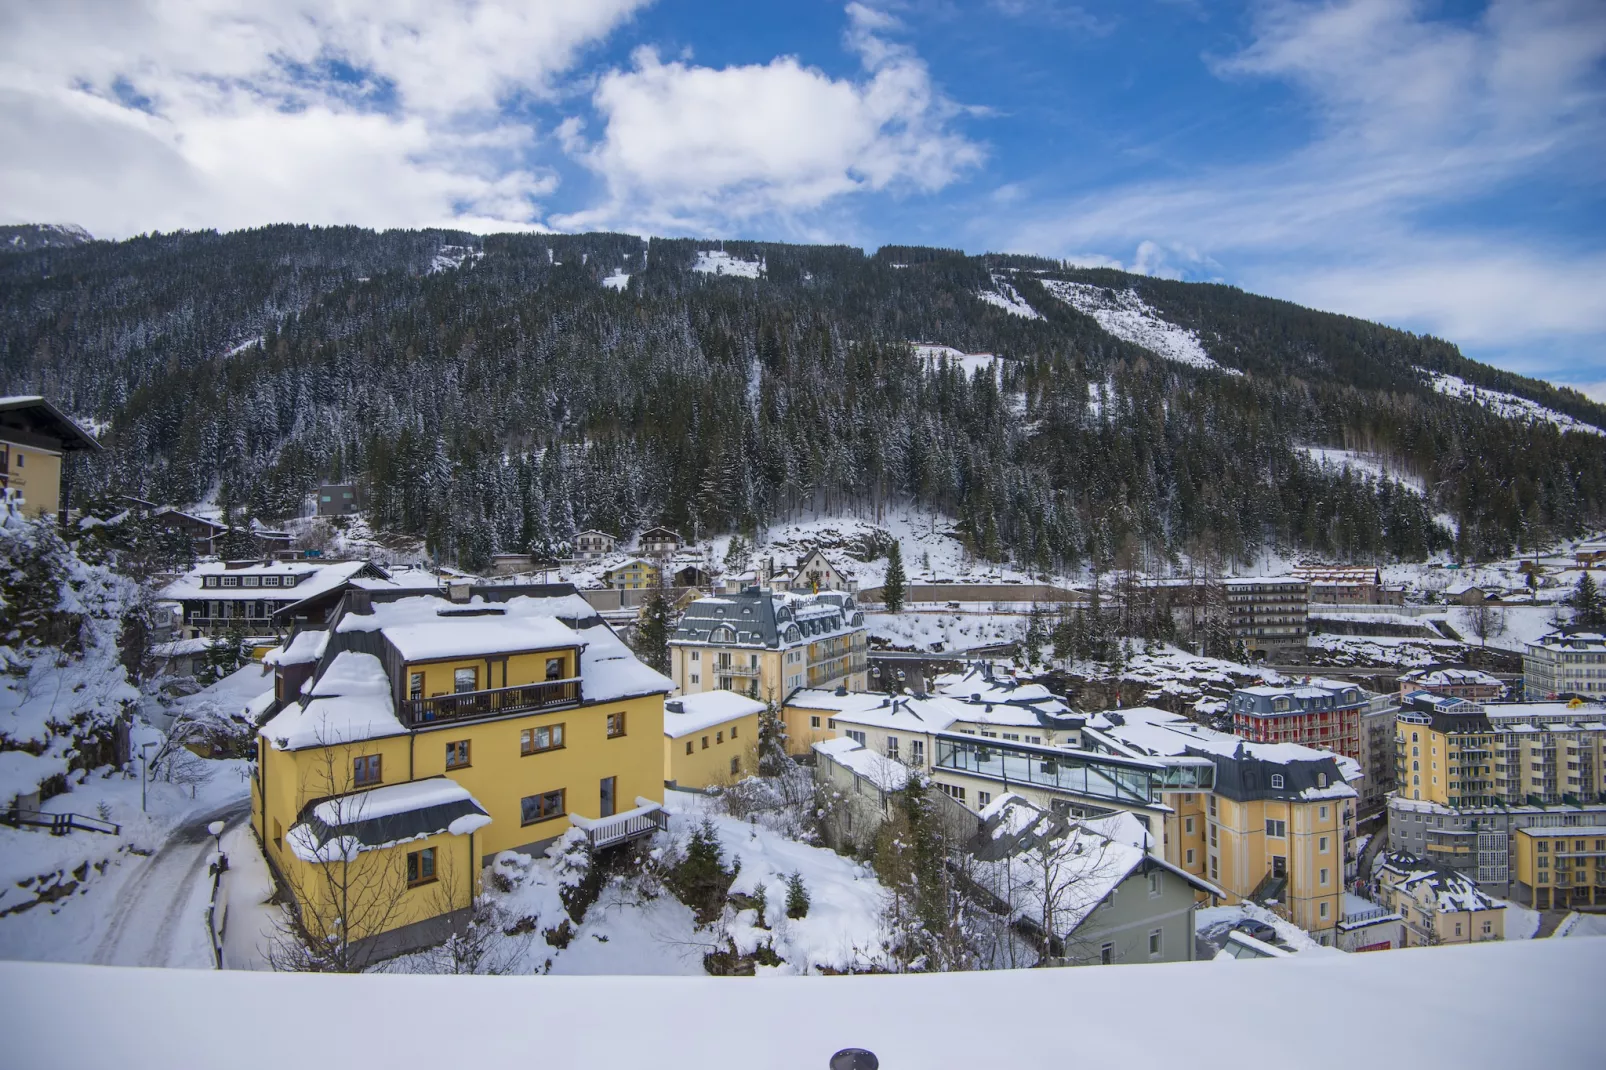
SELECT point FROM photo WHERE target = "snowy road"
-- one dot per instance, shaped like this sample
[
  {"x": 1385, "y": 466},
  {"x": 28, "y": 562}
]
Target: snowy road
[{"x": 160, "y": 915}]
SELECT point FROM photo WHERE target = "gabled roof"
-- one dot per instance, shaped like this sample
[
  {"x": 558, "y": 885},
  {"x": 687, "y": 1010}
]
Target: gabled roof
[{"x": 32, "y": 413}]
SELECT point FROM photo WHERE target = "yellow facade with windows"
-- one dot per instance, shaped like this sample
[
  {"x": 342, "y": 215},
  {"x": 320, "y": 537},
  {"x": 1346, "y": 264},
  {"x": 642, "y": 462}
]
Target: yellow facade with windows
[
  {"x": 706, "y": 748},
  {"x": 1439, "y": 906},
  {"x": 1560, "y": 868},
  {"x": 634, "y": 575},
  {"x": 32, "y": 473}
]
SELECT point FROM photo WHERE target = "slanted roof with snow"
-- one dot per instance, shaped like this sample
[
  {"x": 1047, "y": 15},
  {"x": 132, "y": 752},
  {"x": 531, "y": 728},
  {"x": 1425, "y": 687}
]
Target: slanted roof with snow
[
  {"x": 343, "y": 826},
  {"x": 307, "y": 647},
  {"x": 310, "y": 580},
  {"x": 351, "y": 701},
  {"x": 1449, "y": 892},
  {"x": 885, "y": 773},
  {"x": 694, "y": 713}
]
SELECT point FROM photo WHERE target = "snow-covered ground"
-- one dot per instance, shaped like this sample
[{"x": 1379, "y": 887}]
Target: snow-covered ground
[
  {"x": 1004, "y": 296},
  {"x": 1503, "y": 404},
  {"x": 1403, "y": 652},
  {"x": 1365, "y": 464},
  {"x": 970, "y": 363},
  {"x": 452, "y": 257},
  {"x": 1214, "y": 921},
  {"x": 617, "y": 281},
  {"x": 1521, "y": 922},
  {"x": 944, "y": 631},
  {"x": 1576, "y": 924},
  {"x": 1127, "y": 316},
  {"x": 719, "y": 262}
]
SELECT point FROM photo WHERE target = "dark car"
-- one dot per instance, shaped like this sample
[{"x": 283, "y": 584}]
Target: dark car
[{"x": 1258, "y": 929}]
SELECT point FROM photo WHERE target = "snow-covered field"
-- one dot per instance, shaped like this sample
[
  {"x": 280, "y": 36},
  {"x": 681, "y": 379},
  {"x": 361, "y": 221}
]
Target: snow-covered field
[
  {"x": 970, "y": 363},
  {"x": 719, "y": 262},
  {"x": 1127, "y": 316},
  {"x": 944, "y": 631},
  {"x": 1576, "y": 924},
  {"x": 1365, "y": 464},
  {"x": 1503, "y": 404},
  {"x": 617, "y": 281}
]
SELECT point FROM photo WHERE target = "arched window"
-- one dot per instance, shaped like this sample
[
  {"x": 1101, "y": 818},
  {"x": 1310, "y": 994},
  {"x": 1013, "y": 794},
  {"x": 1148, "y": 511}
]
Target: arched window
[
  {"x": 1414, "y": 737},
  {"x": 722, "y": 635},
  {"x": 1416, "y": 766},
  {"x": 1276, "y": 780}
]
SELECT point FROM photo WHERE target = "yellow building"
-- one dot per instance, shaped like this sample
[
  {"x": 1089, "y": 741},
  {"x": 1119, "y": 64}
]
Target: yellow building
[
  {"x": 710, "y": 739},
  {"x": 1559, "y": 868},
  {"x": 34, "y": 438},
  {"x": 634, "y": 575},
  {"x": 1268, "y": 822},
  {"x": 1440, "y": 906},
  {"x": 525, "y": 716},
  {"x": 766, "y": 644}
]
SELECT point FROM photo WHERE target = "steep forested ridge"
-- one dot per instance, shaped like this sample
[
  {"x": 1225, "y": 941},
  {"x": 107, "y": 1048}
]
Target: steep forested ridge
[{"x": 507, "y": 402}]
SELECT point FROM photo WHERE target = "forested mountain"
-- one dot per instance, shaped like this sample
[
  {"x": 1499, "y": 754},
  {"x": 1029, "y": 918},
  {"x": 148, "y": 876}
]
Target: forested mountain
[{"x": 498, "y": 393}]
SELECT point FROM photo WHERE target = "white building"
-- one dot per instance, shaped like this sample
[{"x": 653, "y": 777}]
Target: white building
[{"x": 1565, "y": 663}]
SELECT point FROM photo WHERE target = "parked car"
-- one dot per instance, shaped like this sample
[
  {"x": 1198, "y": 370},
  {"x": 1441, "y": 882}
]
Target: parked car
[{"x": 1258, "y": 929}]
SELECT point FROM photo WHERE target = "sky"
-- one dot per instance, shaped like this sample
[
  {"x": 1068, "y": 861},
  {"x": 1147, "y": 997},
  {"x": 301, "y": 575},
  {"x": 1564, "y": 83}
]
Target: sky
[{"x": 1436, "y": 166}]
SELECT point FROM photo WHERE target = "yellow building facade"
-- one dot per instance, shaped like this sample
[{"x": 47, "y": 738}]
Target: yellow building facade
[
  {"x": 1439, "y": 906},
  {"x": 767, "y": 645},
  {"x": 1561, "y": 868},
  {"x": 710, "y": 739},
  {"x": 519, "y": 725},
  {"x": 34, "y": 436},
  {"x": 634, "y": 575}
]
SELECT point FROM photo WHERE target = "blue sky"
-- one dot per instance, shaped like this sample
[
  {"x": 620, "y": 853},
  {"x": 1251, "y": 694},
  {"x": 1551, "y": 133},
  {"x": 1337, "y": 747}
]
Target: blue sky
[{"x": 1433, "y": 165}]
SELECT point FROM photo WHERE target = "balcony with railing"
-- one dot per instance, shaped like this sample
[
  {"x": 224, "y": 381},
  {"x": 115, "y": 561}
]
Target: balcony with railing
[
  {"x": 731, "y": 668},
  {"x": 647, "y": 818},
  {"x": 496, "y": 702}
]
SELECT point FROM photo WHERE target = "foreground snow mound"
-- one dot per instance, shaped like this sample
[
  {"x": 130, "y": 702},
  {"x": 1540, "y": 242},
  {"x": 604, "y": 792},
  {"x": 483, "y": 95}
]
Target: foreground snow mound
[{"x": 1124, "y": 314}]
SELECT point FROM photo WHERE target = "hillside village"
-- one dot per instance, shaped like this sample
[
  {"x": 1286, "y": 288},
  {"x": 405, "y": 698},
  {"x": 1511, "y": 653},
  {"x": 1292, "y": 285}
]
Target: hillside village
[{"x": 844, "y": 746}]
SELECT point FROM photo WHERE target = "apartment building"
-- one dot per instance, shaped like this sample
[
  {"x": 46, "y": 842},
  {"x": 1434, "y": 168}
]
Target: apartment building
[
  {"x": 35, "y": 438},
  {"x": 1325, "y": 714},
  {"x": 222, "y": 596},
  {"x": 767, "y": 644},
  {"x": 1565, "y": 663},
  {"x": 1471, "y": 777},
  {"x": 1561, "y": 868},
  {"x": 1438, "y": 906},
  {"x": 1267, "y": 612},
  {"x": 710, "y": 739},
  {"x": 1470, "y": 684},
  {"x": 1345, "y": 585},
  {"x": 418, "y": 735},
  {"x": 1273, "y": 823}
]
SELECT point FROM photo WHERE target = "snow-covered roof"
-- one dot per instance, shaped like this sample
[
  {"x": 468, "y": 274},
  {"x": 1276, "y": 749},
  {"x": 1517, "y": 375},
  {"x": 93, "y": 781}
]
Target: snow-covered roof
[
  {"x": 315, "y": 579},
  {"x": 306, "y": 648},
  {"x": 885, "y": 773},
  {"x": 1580, "y": 831},
  {"x": 1431, "y": 678},
  {"x": 455, "y": 637},
  {"x": 1449, "y": 891},
  {"x": 346, "y": 825},
  {"x": 694, "y": 713},
  {"x": 1159, "y": 732},
  {"x": 1570, "y": 640},
  {"x": 348, "y": 703}
]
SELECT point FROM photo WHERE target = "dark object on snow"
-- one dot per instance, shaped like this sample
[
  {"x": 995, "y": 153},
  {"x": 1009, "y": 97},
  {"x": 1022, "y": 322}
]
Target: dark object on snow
[
  {"x": 1258, "y": 929},
  {"x": 855, "y": 1059}
]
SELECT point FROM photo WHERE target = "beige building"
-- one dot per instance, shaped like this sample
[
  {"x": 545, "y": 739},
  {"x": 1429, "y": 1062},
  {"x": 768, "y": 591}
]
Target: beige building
[
  {"x": 34, "y": 439},
  {"x": 1565, "y": 663},
  {"x": 1439, "y": 906},
  {"x": 767, "y": 644},
  {"x": 1561, "y": 868}
]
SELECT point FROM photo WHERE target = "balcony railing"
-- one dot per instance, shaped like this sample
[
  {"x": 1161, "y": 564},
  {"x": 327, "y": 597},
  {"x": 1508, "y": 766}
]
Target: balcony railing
[
  {"x": 471, "y": 705},
  {"x": 647, "y": 818},
  {"x": 735, "y": 670}
]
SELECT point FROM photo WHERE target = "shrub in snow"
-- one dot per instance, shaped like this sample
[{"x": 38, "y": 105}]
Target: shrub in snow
[
  {"x": 797, "y": 897},
  {"x": 578, "y": 874},
  {"x": 701, "y": 880}
]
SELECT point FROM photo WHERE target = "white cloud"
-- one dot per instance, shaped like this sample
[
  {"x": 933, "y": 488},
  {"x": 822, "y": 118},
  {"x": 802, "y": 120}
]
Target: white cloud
[
  {"x": 1413, "y": 115},
  {"x": 686, "y": 147},
  {"x": 131, "y": 116}
]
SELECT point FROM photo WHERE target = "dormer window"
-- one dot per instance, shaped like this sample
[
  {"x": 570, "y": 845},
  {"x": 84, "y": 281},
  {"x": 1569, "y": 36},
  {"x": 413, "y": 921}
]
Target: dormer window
[
  {"x": 248, "y": 581},
  {"x": 1321, "y": 780},
  {"x": 231, "y": 581},
  {"x": 1276, "y": 780},
  {"x": 270, "y": 581}
]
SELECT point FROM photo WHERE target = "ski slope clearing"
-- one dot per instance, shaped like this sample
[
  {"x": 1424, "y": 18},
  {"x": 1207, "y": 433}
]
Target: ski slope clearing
[
  {"x": 1369, "y": 465},
  {"x": 719, "y": 262},
  {"x": 1124, "y": 314},
  {"x": 452, "y": 257},
  {"x": 970, "y": 362},
  {"x": 1501, "y": 403},
  {"x": 1005, "y": 297},
  {"x": 617, "y": 281}
]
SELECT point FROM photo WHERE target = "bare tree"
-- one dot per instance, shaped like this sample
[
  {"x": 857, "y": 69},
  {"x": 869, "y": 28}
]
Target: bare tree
[
  {"x": 1487, "y": 620},
  {"x": 343, "y": 895},
  {"x": 482, "y": 938}
]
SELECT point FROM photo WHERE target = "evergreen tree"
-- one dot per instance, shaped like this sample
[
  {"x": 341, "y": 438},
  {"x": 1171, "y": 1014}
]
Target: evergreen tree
[
  {"x": 235, "y": 544},
  {"x": 894, "y": 586},
  {"x": 797, "y": 897},
  {"x": 654, "y": 629},
  {"x": 772, "y": 756},
  {"x": 1588, "y": 609}
]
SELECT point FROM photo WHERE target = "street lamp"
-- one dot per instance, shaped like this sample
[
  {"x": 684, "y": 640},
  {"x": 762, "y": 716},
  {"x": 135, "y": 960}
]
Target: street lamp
[{"x": 144, "y": 762}]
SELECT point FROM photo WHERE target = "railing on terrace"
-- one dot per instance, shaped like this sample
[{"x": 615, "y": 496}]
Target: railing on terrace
[
  {"x": 467, "y": 705},
  {"x": 58, "y": 824},
  {"x": 648, "y": 817},
  {"x": 735, "y": 670},
  {"x": 1107, "y": 778},
  {"x": 1360, "y": 917}
]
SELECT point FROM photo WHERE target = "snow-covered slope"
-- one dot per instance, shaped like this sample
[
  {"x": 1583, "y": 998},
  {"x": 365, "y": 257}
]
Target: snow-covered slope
[
  {"x": 26, "y": 237},
  {"x": 719, "y": 262},
  {"x": 454, "y": 256},
  {"x": 1124, "y": 314},
  {"x": 1005, "y": 297},
  {"x": 1365, "y": 464},
  {"x": 1503, "y": 404}
]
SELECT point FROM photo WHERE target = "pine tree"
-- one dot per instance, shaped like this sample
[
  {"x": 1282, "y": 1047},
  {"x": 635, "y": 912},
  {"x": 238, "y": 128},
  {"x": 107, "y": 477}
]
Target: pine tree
[
  {"x": 797, "y": 897},
  {"x": 1588, "y": 609},
  {"x": 654, "y": 629},
  {"x": 894, "y": 586}
]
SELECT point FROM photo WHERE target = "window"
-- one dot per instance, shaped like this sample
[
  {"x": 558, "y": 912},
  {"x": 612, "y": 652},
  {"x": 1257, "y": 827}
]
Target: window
[
  {"x": 953, "y": 791},
  {"x": 736, "y": 766},
  {"x": 1215, "y": 868},
  {"x": 366, "y": 770},
  {"x": 1187, "y": 825},
  {"x": 1458, "y": 928},
  {"x": 917, "y": 752},
  {"x": 535, "y": 740},
  {"x": 814, "y": 722},
  {"x": 1488, "y": 928},
  {"x": 695, "y": 655},
  {"x": 733, "y": 730},
  {"x": 533, "y": 808},
  {"x": 270, "y": 581},
  {"x": 688, "y": 746},
  {"x": 1321, "y": 782},
  {"x": 1106, "y": 954},
  {"x": 694, "y": 678},
  {"x": 231, "y": 581},
  {"x": 705, "y": 743},
  {"x": 831, "y": 723},
  {"x": 465, "y": 680},
  {"x": 1212, "y": 806},
  {"x": 1276, "y": 828},
  {"x": 892, "y": 747},
  {"x": 616, "y": 725},
  {"x": 415, "y": 685},
  {"x": 983, "y": 798},
  {"x": 1322, "y": 812},
  {"x": 1190, "y": 856},
  {"x": 719, "y": 737},
  {"x": 554, "y": 668},
  {"x": 457, "y": 754},
  {"x": 1321, "y": 877},
  {"x": 1212, "y": 835},
  {"x": 1543, "y": 846},
  {"x": 1154, "y": 943},
  {"x": 1276, "y": 780},
  {"x": 856, "y": 736},
  {"x": 420, "y": 866},
  {"x": 248, "y": 581},
  {"x": 1321, "y": 844},
  {"x": 1154, "y": 885},
  {"x": 1322, "y": 911}
]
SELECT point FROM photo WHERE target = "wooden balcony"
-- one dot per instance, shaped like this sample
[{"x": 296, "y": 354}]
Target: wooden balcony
[
  {"x": 497, "y": 702},
  {"x": 647, "y": 818}
]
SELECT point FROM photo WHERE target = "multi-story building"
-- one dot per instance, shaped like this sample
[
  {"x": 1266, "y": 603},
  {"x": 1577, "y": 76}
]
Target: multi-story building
[
  {"x": 1377, "y": 751},
  {"x": 767, "y": 644},
  {"x": 1267, "y": 612},
  {"x": 1345, "y": 585},
  {"x": 338, "y": 499},
  {"x": 34, "y": 439},
  {"x": 592, "y": 544},
  {"x": 1471, "y": 777},
  {"x": 710, "y": 739},
  {"x": 660, "y": 542},
  {"x": 419, "y": 735},
  {"x": 1270, "y": 823},
  {"x": 816, "y": 572},
  {"x": 1561, "y": 868},
  {"x": 1315, "y": 713},
  {"x": 217, "y": 598},
  {"x": 1565, "y": 663},
  {"x": 1438, "y": 906},
  {"x": 1470, "y": 684},
  {"x": 635, "y": 574}
]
